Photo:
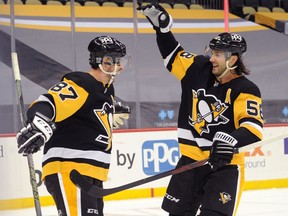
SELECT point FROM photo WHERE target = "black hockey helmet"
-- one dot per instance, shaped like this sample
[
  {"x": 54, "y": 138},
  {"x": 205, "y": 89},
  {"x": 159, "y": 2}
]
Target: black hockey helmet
[
  {"x": 105, "y": 45},
  {"x": 229, "y": 42}
]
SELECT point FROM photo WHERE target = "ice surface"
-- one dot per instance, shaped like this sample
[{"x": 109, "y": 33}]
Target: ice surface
[{"x": 270, "y": 202}]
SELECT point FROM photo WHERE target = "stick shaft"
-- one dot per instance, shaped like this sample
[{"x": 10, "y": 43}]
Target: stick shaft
[
  {"x": 263, "y": 142},
  {"x": 97, "y": 192},
  {"x": 23, "y": 116}
]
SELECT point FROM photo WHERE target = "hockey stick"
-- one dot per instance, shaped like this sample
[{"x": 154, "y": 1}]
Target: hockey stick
[
  {"x": 23, "y": 116},
  {"x": 97, "y": 192}
]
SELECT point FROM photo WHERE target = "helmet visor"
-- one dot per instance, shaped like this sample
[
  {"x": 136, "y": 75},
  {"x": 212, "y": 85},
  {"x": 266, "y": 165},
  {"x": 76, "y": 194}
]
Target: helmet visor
[
  {"x": 122, "y": 61},
  {"x": 209, "y": 52}
]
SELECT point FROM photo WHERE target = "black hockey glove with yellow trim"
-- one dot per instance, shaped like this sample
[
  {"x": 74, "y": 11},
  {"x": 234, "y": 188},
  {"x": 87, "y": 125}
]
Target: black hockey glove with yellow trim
[
  {"x": 222, "y": 150},
  {"x": 35, "y": 134},
  {"x": 157, "y": 16},
  {"x": 121, "y": 113}
]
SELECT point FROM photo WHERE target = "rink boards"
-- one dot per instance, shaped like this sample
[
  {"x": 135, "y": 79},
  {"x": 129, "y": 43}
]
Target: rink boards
[{"x": 138, "y": 154}]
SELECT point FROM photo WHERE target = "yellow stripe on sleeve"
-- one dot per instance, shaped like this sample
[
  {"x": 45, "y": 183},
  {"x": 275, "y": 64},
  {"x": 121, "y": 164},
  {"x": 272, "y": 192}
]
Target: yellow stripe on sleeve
[
  {"x": 181, "y": 63},
  {"x": 68, "y": 98},
  {"x": 248, "y": 106}
]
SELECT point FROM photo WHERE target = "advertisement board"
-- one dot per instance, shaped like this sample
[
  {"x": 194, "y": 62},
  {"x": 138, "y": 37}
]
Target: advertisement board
[{"x": 137, "y": 155}]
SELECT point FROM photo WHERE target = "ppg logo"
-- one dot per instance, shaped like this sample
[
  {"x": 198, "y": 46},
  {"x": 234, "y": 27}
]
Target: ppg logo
[{"x": 159, "y": 156}]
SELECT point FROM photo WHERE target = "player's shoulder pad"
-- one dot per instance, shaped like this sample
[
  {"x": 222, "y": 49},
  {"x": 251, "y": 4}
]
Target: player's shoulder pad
[
  {"x": 82, "y": 79},
  {"x": 74, "y": 75},
  {"x": 244, "y": 85}
]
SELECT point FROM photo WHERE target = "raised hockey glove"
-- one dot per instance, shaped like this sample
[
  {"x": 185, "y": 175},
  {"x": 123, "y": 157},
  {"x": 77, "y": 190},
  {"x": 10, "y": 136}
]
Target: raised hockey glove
[
  {"x": 157, "y": 16},
  {"x": 121, "y": 113},
  {"x": 35, "y": 134},
  {"x": 222, "y": 150}
]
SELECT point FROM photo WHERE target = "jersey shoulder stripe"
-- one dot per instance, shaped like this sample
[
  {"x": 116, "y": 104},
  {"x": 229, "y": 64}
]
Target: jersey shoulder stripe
[{"x": 68, "y": 98}]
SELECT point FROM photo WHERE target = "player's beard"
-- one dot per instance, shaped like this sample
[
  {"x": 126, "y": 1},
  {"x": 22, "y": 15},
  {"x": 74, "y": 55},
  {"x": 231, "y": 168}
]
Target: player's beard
[{"x": 218, "y": 71}]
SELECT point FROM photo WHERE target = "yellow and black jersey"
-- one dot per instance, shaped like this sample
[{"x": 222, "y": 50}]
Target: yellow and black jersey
[
  {"x": 208, "y": 106},
  {"x": 84, "y": 118}
]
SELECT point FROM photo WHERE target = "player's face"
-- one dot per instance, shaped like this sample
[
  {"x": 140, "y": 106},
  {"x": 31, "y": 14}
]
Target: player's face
[
  {"x": 112, "y": 64},
  {"x": 218, "y": 60}
]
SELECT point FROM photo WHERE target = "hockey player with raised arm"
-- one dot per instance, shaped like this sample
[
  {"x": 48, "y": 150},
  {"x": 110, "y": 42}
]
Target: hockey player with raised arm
[
  {"x": 75, "y": 121},
  {"x": 220, "y": 111}
]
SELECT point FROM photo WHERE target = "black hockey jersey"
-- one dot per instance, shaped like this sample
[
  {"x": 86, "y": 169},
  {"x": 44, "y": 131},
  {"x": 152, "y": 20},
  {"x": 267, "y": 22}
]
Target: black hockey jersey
[
  {"x": 208, "y": 106},
  {"x": 84, "y": 118}
]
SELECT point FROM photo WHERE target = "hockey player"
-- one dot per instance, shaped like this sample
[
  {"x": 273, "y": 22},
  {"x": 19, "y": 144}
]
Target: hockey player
[
  {"x": 75, "y": 121},
  {"x": 220, "y": 111}
]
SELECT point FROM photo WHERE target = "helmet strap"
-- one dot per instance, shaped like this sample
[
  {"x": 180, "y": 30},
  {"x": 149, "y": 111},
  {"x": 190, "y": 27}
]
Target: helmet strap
[
  {"x": 112, "y": 75},
  {"x": 109, "y": 83},
  {"x": 228, "y": 68}
]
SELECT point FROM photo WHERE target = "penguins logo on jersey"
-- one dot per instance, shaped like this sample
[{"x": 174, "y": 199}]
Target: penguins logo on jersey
[
  {"x": 225, "y": 197},
  {"x": 207, "y": 111},
  {"x": 105, "y": 117}
]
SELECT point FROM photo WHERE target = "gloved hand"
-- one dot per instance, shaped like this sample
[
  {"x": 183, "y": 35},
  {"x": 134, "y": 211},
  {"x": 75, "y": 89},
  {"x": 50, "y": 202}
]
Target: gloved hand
[
  {"x": 222, "y": 150},
  {"x": 35, "y": 134},
  {"x": 121, "y": 112},
  {"x": 157, "y": 16},
  {"x": 118, "y": 120}
]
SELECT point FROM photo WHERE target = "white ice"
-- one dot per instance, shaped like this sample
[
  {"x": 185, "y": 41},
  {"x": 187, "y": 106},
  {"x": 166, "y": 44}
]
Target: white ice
[{"x": 270, "y": 202}]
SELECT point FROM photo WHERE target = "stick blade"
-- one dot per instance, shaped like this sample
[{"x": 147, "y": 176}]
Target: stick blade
[
  {"x": 79, "y": 181},
  {"x": 84, "y": 185}
]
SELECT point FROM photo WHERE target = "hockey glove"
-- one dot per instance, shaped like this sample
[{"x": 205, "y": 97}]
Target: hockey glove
[
  {"x": 157, "y": 16},
  {"x": 35, "y": 134},
  {"x": 222, "y": 150},
  {"x": 121, "y": 113}
]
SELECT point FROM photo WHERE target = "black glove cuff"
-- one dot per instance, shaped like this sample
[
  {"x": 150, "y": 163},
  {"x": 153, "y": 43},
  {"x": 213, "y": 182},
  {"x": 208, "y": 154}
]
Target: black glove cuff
[{"x": 121, "y": 108}]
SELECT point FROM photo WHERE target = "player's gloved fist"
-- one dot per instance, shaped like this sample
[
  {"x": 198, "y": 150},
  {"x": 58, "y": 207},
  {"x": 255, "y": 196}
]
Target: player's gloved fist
[
  {"x": 222, "y": 151},
  {"x": 35, "y": 134},
  {"x": 157, "y": 16},
  {"x": 121, "y": 113},
  {"x": 121, "y": 108}
]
